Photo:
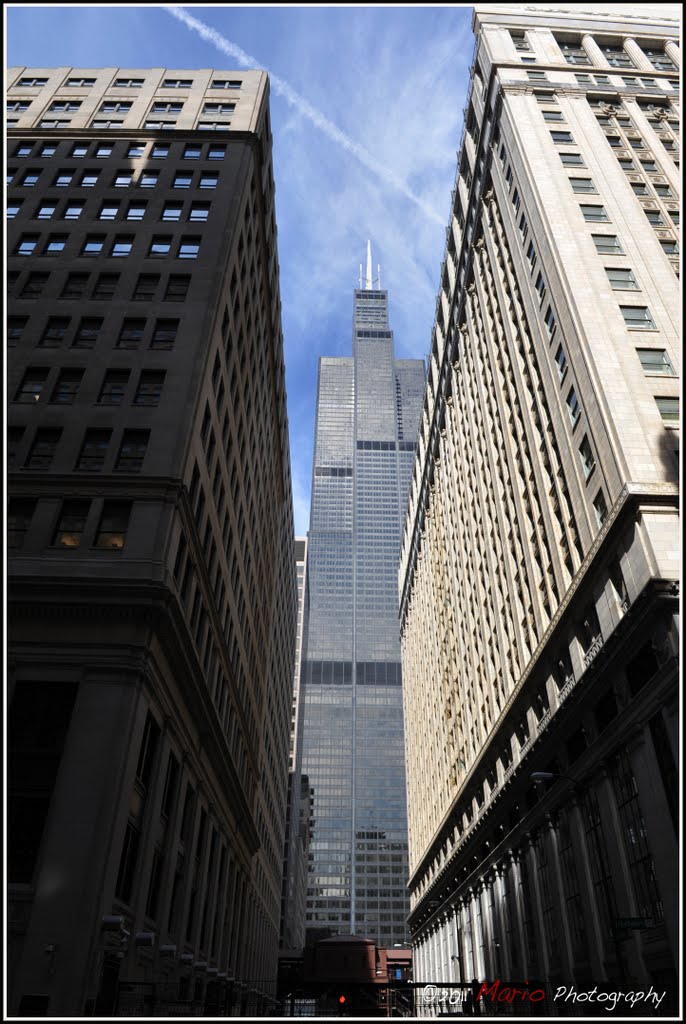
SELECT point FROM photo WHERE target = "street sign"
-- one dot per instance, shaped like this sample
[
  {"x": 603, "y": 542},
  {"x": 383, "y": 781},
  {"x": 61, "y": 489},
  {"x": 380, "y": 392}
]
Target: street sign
[{"x": 627, "y": 923}]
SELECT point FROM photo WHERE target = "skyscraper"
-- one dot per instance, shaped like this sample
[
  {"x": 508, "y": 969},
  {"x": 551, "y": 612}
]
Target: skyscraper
[
  {"x": 540, "y": 563},
  {"x": 152, "y": 581},
  {"x": 353, "y": 754}
]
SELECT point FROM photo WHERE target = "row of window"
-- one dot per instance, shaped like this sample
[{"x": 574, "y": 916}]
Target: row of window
[
  {"x": 131, "y": 333},
  {"x": 188, "y": 247},
  {"x": 93, "y": 452},
  {"x": 99, "y": 124},
  {"x": 111, "y": 209},
  {"x": 122, "y": 179},
  {"x": 113, "y": 389},
  {"x": 76, "y": 286},
  {"x": 71, "y": 525},
  {"x": 129, "y": 150},
  {"x": 604, "y": 81},
  {"x": 119, "y": 107},
  {"x": 127, "y": 83}
]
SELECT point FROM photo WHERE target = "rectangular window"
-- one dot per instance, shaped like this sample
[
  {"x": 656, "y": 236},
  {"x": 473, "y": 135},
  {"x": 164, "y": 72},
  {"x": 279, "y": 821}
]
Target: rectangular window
[
  {"x": 172, "y": 211},
  {"x": 33, "y": 382},
  {"x": 213, "y": 126},
  {"x": 654, "y": 218},
  {"x": 189, "y": 248},
  {"x": 128, "y": 83},
  {"x": 177, "y": 83},
  {"x": 64, "y": 106},
  {"x": 199, "y": 212},
  {"x": 157, "y": 126},
  {"x": 109, "y": 210},
  {"x": 640, "y": 188},
  {"x": 621, "y": 279},
  {"x": 607, "y": 244},
  {"x": 192, "y": 152},
  {"x": 75, "y": 286},
  {"x": 148, "y": 179},
  {"x": 19, "y": 516},
  {"x": 34, "y": 285},
  {"x": 89, "y": 179},
  {"x": 583, "y": 185},
  {"x": 572, "y": 160},
  {"x": 71, "y": 524},
  {"x": 80, "y": 83},
  {"x": 164, "y": 334},
  {"x": 132, "y": 451},
  {"x": 150, "y": 384},
  {"x": 600, "y": 508},
  {"x": 43, "y": 449},
  {"x": 562, "y": 138},
  {"x": 136, "y": 211},
  {"x": 87, "y": 332},
  {"x": 73, "y": 210},
  {"x": 208, "y": 179},
  {"x": 593, "y": 213},
  {"x": 638, "y": 318},
  {"x": 25, "y": 83},
  {"x": 551, "y": 325},
  {"x": 55, "y": 331},
  {"x": 552, "y": 115},
  {"x": 531, "y": 256},
  {"x": 561, "y": 363},
  {"x": 664, "y": 191},
  {"x": 123, "y": 179},
  {"x": 160, "y": 246},
  {"x": 669, "y": 411},
  {"x": 105, "y": 286},
  {"x": 655, "y": 362},
  {"x": 573, "y": 407},
  {"x": 55, "y": 245},
  {"x": 219, "y": 109},
  {"x": 669, "y": 247},
  {"x": 26, "y": 245},
  {"x": 104, "y": 150},
  {"x": 122, "y": 245},
  {"x": 24, "y": 149},
  {"x": 221, "y": 83},
  {"x": 113, "y": 387},
  {"x": 30, "y": 178},
  {"x": 160, "y": 151},
  {"x": 177, "y": 287},
  {"x": 67, "y": 387},
  {"x": 146, "y": 286},
  {"x": 540, "y": 286},
  {"x": 47, "y": 150},
  {"x": 182, "y": 181},
  {"x": 114, "y": 107},
  {"x": 46, "y": 210},
  {"x": 167, "y": 108},
  {"x": 587, "y": 460},
  {"x": 129, "y": 853},
  {"x": 94, "y": 450},
  {"x": 131, "y": 332},
  {"x": 93, "y": 245},
  {"x": 216, "y": 152},
  {"x": 64, "y": 178}
]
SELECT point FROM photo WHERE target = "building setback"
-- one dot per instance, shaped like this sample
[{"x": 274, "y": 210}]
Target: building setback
[
  {"x": 353, "y": 746},
  {"x": 152, "y": 592},
  {"x": 540, "y": 556}
]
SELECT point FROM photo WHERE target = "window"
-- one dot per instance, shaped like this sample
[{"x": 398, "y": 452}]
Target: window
[
  {"x": 122, "y": 245},
  {"x": 640, "y": 188},
  {"x": 573, "y": 407},
  {"x": 583, "y": 185},
  {"x": 64, "y": 178},
  {"x": 89, "y": 179},
  {"x": 573, "y": 53},
  {"x": 550, "y": 323},
  {"x": 115, "y": 107},
  {"x": 54, "y": 124},
  {"x": 172, "y": 211},
  {"x": 659, "y": 59},
  {"x": 214, "y": 126},
  {"x": 104, "y": 150},
  {"x": 607, "y": 244},
  {"x": 587, "y": 460},
  {"x": 199, "y": 212},
  {"x": 655, "y": 362},
  {"x": 572, "y": 160},
  {"x": 167, "y": 108},
  {"x": 160, "y": 246},
  {"x": 160, "y": 151},
  {"x": 67, "y": 387},
  {"x": 650, "y": 167},
  {"x": 654, "y": 217},
  {"x": 182, "y": 181},
  {"x": 73, "y": 210},
  {"x": 34, "y": 285},
  {"x": 627, "y": 164},
  {"x": 664, "y": 191},
  {"x": 71, "y": 524},
  {"x": 146, "y": 286},
  {"x": 123, "y": 179},
  {"x": 74, "y": 286},
  {"x": 669, "y": 247},
  {"x": 156, "y": 126},
  {"x": 131, "y": 332},
  {"x": 64, "y": 106},
  {"x": 220, "y": 109},
  {"x": 552, "y": 115},
  {"x": 26, "y": 83},
  {"x": 19, "y": 106},
  {"x": 23, "y": 149},
  {"x": 177, "y": 287},
  {"x": 220, "y": 83},
  {"x": 26, "y": 245},
  {"x": 562, "y": 138},
  {"x": 48, "y": 149},
  {"x": 638, "y": 318},
  {"x": 621, "y": 279},
  {"x": 128, "y": 83},
  {"x": 132, "y": 451},
  {"x": 43, "y": 449},
  {"x": 80, "y": 83},
  {"x": 531, "y": 256},
  {"x": 164, "y": 334},
  {"x": 113, "y": 524},
  {"x": 189, "y": 248},
  {"x": 149, "y": 390},
  {"x": 55, "y": 244},
  {"x": 30, "y": 178},
  {"x": 87, "y": 332},
  {"x": 561, "y": 363},
  {"x": 600, "y": 508},
  {"x": 669, "y": 411},
  {"x": 540, "y": 286},
  {"x": 20, "y": 514},
  {"x": 208, "y": 179},
  {"x": 33, "y": 381},
  {"x": 109, "y": 210},
  {"x": 177, "y": 83},
  {"x": 148, "y": 179},
  {"x": 113, "y": 387},
  {"x": 216, "y": 152},
  {"x": 46, "y": 210},
  {"x": 94, "y": 450},
  {"x": 55, "y": 331},
  {"x": 105, "y": 286},
  {"x": 192, "y": 152},
  {"x": 93, "y": 245},
  {"x": 136, "y": 211},
  {"x": 536, "y": 76},
  {"x": 593, "y": 213}
]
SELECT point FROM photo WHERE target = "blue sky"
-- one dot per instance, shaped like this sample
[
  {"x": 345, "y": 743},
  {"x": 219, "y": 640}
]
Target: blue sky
[{"x": 391, "y": 80}]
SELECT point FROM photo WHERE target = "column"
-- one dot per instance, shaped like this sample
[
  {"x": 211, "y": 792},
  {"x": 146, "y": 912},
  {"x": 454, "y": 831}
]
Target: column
[
  {"x": 518, "y": 930},
  {"x": 637, "y": 55},
  {"x": 504, "y": 961},
  {"x": 673, "y": 52},
  {"x": 455, "y": 965},
  {"x": 589, "y": 908},
  {"x": 595, "y": 54},
  {"x": 536, "y": 912},
  {"x": 550, "y": 836}
]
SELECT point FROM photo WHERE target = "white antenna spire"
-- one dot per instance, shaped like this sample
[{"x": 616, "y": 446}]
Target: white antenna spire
[
  {"x": 378, "y": 270},
  {"x": 369, "y": 266},
  {"x": 360, "y": 276}
]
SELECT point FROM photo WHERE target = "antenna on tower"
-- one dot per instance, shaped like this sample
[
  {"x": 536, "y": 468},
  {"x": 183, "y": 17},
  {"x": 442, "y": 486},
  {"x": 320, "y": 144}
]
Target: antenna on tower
[
  {"x": 369, "y": 284},
  {"x": 360, "y": 276},
  {"x": 378, "y": 269}
]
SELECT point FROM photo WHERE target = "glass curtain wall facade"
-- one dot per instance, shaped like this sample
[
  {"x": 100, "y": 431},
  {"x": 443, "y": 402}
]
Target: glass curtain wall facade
[{"x": 368, "y": 410}]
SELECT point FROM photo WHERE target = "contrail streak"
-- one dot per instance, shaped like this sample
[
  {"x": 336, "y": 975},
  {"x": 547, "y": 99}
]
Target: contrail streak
[{"x": 317, "y": 118}]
